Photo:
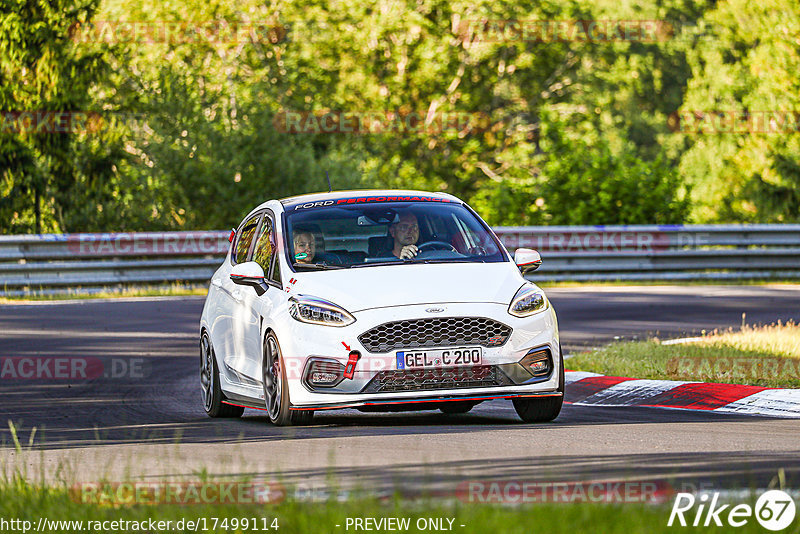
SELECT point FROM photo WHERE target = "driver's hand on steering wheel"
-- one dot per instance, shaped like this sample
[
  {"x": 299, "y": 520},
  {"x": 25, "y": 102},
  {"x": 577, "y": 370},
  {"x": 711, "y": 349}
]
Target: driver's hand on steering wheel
[{"x": 408, "y": 252}]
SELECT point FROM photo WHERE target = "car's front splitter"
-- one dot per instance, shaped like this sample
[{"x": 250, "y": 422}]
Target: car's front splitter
[{"x": 430, "y": 399}]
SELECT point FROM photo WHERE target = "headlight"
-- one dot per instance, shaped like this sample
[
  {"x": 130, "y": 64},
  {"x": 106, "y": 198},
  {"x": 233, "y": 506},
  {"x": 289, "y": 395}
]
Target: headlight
[
  {"x": 318, "y": 311},
  {"x": 528, "y": 300}
]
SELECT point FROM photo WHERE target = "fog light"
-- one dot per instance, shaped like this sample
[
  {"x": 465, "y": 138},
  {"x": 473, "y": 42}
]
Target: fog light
[
  {"x": 323, "y": 373},
  {"x": 539, "y": 367},
  {"x": 538, "y": 362},
  {"x": 323, "y": 378}
]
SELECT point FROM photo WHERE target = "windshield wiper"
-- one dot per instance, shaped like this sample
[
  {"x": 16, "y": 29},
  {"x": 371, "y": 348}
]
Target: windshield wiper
[
  {"x": 442, "y": 260},
  {"x": 317, "y": 266},
  {"x": 377, "y": 263}
]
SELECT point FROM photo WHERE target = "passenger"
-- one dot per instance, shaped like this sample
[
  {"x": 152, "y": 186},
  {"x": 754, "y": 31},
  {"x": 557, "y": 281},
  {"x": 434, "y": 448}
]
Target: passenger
[{"x": 305, "y": 246}]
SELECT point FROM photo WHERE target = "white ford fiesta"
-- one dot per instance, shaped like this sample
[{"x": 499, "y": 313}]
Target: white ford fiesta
[{"x": 379, "y": 301}]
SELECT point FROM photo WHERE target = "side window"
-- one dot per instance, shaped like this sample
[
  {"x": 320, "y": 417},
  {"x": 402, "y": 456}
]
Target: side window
[
  {"x": 276, "y": 270},
  {"x": 245, "y": 238},
  {"x": 265, "y": 245}
]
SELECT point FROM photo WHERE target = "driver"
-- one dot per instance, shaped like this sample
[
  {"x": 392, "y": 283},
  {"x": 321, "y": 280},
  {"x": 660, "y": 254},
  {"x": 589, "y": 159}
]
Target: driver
[{"x": 406, "y": 234}]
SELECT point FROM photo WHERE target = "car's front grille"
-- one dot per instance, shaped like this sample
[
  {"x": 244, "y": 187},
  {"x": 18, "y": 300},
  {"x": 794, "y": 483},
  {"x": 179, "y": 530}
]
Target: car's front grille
[
  {"x": 479, "y": 376},
  {"x": 435, "y": 332}
]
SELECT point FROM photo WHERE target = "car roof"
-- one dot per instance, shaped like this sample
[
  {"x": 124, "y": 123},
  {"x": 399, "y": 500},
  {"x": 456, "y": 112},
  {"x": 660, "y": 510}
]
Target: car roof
[
  {"x": 286, "y": 204},
  {"x": 336, "y": 195}
]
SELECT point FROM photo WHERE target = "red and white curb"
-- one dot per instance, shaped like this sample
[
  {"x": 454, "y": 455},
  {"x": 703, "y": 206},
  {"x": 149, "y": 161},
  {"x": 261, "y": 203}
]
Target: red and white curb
[{"x": 592, "y": 389}]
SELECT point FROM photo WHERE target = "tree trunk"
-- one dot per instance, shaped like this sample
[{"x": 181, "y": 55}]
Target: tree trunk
[{"x": 37, "y": 210}]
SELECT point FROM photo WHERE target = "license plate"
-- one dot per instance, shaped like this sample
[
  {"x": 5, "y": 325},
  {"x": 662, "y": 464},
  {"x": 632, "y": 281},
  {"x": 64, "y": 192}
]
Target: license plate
[{"x": 425, "y": 359}]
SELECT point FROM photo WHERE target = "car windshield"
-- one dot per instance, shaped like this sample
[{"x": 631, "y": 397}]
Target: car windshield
[{"x": 351, "y": 235}]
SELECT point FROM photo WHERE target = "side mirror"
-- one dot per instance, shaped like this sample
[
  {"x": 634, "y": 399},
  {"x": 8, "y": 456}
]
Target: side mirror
[
  {"x": 527, "y": 259},
  {"x": 250, "y": 274}
]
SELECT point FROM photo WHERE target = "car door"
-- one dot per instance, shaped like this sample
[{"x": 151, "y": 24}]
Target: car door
[
  {"x": 224, "y": 332},
  {"x": 254, "y": 308}
]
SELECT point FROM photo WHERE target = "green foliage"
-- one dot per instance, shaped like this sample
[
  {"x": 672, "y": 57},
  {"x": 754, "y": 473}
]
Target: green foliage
[
  {"x": 204, "y": 135},
  {"x": 575, "y": 131},
  {"x": 41, "y": 70},
  {"x": 749, "y": 64},
  {"x": 590, "y": 185}
]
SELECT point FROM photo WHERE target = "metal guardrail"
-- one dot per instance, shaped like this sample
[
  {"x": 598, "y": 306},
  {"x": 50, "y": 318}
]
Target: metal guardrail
[
  {"x": 54, "y": 262},
  {"x": 660, "y": 252}
]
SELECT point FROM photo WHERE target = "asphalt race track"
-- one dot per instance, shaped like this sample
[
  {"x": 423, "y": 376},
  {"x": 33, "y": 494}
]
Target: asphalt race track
[{"x": 151, "y": 424}]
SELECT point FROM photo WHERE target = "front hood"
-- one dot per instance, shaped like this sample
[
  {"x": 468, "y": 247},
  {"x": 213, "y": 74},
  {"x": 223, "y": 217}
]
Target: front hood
[{"x": 406, "y": 284}]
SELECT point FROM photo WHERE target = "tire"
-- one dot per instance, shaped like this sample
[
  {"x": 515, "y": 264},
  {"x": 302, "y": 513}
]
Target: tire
[
  {"x": 457, "y": 407},
  {"x": 276, "y": 388},
  {"x": 544, "y": 409},
  {"x": 209, "y": 383}
]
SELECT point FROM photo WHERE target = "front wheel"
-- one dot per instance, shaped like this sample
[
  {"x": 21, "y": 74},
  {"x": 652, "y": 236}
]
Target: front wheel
[
  {"x": 276, "y": 389},
  {"x": 209, "y": 383},
  {"x": 544, "y": 409}
]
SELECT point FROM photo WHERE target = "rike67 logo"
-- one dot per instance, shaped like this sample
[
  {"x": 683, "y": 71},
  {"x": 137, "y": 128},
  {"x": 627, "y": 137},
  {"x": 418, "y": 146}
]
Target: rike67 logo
[{"x": 774, "y": 510}]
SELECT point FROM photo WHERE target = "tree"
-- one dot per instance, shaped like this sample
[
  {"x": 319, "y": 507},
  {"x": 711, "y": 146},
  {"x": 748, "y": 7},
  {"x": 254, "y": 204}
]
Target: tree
[
  {"x": 747, "y": 170},
  {"x": 45, "y": 172},
  {"x": 206, "y": 104}
]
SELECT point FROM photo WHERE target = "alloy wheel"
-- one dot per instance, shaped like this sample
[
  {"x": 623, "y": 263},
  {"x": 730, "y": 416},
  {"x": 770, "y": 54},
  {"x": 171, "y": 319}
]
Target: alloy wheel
[
  {"x": 206, "y": 372},
  {"x": 272, "y": 378}
]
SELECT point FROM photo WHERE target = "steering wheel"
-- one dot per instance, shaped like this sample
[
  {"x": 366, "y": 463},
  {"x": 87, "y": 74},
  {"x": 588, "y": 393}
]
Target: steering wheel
[{"x": 437, "y": 245}]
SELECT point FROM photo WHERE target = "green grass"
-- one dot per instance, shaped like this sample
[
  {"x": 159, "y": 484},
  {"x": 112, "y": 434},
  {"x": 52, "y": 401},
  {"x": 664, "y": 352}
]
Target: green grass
[
  {"x": 174, "y": 290},
  {"x": 762, "y": 356},
  {"x": 21, "y": 500}
]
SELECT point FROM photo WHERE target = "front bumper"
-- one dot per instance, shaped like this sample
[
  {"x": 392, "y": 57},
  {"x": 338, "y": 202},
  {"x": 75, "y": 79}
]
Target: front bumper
[{"x": 302, "y": 342}]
